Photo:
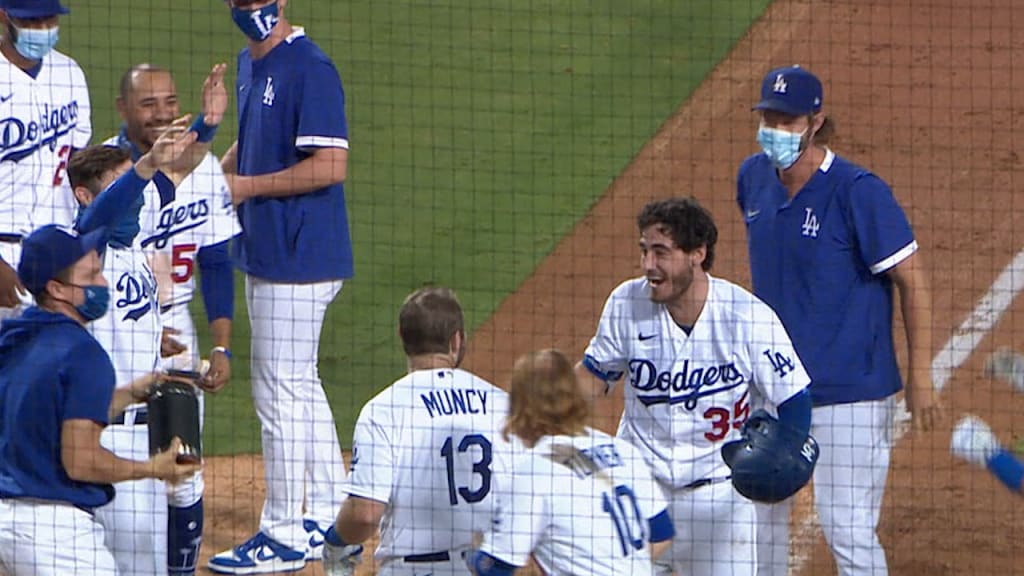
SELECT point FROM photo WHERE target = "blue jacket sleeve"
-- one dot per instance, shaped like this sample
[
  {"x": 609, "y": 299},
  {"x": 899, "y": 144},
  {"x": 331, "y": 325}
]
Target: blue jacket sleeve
[
  {"x": 217, "y": 281},
  {"x": 111, "y": 204},
  {"x": 796, "y": 411}
]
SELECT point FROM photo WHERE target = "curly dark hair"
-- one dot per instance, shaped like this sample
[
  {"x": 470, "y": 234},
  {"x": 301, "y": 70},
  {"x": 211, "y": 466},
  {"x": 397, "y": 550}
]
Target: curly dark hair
[{"x": 689, "y": 224}]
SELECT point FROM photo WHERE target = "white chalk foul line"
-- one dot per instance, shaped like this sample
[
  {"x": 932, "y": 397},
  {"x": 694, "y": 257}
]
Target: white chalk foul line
[{"x": 958, "y": 349}]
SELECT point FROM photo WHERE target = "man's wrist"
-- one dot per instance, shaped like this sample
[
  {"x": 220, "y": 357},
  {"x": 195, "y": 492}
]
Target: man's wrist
[
  {"x": 221, "y": 349},
  {"x": 205, "y": 128}
]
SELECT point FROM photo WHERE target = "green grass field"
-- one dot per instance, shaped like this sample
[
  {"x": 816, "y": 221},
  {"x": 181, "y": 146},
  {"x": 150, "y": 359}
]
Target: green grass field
[{"x": 480, "y": 133}]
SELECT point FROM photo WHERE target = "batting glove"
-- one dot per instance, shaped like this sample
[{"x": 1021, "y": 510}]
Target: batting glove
[
  {"x": 1007, "y": 365},
  {"x": 340, "y": 559},
  {"x": 973, "y": 441}
]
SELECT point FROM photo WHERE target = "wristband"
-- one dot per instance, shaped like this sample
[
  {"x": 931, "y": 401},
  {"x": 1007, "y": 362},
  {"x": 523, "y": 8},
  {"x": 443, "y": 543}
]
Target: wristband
[
  {"x": 205, "y": 133},
  {"x": 222, "y": 350}
]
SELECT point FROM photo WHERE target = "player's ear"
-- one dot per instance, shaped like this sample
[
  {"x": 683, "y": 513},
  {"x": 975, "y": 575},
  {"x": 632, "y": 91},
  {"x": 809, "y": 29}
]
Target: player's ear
[
  {"x": 698, "y": 255},
  {"x": 83, "y": 195}
]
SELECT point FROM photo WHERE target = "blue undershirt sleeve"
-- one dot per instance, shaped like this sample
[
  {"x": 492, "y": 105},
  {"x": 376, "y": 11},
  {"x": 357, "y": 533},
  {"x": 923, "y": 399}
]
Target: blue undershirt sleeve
[
  {"x": 217, "y": 281},
  {"x": 796, "y": 411},
  {"x": 661, "y": 527},
  {"x": 112, "y": 203}
]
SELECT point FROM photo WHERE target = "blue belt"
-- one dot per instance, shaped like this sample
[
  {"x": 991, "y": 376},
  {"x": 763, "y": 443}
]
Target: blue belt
[
  {"x": 10, "y": 238},
  {"x": 705, "y": 482},
  {"x": 424, "y": 558},
  {"x": 141, "y": 417}
]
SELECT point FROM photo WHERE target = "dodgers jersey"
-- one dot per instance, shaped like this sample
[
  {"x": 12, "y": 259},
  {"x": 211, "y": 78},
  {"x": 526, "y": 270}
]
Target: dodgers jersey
[
  {"x": 580, "y": 505},
  {"x": 820, "y": 260},
  {"x": 429, "y": 446},
  {"x": 41, "y": 120},
  {"x": 175, "y": 227},
  {"x": 130, "y": 331},
  {"x": 687, "y": 394},
  {"x": 291, "y": 102}
]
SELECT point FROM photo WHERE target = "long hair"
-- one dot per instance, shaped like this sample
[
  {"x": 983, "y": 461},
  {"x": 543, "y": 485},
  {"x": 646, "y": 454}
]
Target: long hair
[{"x": 545, "y": 398}]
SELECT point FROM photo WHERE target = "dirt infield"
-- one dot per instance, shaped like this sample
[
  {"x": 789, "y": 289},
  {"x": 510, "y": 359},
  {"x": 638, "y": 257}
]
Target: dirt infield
[{"x": 927, "y": 93}]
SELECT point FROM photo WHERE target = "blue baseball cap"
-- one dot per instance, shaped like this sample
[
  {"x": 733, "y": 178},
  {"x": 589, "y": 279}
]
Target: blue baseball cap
[
  {"x": 51, "y": 249},
  {"x": 32, "y": 8},
  {"x": 791, "y": 90}
]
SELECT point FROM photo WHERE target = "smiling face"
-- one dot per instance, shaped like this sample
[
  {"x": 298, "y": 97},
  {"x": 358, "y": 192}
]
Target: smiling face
[
  {"x": 668, "y": 268},
  {"x": 149, "y": 106}
]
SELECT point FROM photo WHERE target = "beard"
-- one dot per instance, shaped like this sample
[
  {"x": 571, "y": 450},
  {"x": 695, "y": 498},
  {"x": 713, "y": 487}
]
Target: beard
[{"x": 672, "y": 287}]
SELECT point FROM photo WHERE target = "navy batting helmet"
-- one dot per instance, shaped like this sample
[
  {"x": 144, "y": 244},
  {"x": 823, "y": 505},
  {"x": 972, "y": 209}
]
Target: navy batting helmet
[{"x": 772, "y": 461}]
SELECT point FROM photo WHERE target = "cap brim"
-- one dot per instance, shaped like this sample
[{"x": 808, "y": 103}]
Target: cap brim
[
  {"x": 22, "y": 13},
  {"x": 780, "y": 106}
]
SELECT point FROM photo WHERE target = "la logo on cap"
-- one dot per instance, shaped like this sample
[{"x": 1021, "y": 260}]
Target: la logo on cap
[{"x": 780, "y": 85}]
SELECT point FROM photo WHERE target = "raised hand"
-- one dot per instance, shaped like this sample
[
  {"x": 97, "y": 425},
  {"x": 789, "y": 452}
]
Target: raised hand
[{"x": 215, "y": 96}]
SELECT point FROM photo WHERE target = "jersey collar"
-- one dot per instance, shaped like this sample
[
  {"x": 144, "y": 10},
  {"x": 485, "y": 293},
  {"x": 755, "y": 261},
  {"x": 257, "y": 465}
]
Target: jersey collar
[
  {"x": 297, "y": 32},
  {"x": 826, "y": 164}
]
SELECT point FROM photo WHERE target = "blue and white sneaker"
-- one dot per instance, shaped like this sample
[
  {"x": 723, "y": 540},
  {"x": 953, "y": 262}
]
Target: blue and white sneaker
[
  {"x": 260, "y": 554},
  {"x": 315, "y": 545}
]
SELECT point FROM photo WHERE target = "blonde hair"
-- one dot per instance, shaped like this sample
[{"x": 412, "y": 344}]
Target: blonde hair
[{"x": 545, "y": 398}]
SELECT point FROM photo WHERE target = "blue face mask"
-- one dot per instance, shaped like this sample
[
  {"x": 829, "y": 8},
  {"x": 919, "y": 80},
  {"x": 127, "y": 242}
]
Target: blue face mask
[
  {"x": 781, "y": 147},
  {"x": 34, "y": 44},
  {"x": 97, "y": 301},
  {"x": 256, "y": 24}
]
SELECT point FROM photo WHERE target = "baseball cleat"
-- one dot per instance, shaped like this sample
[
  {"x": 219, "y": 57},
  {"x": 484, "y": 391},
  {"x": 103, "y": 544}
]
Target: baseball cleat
[
  {"x": 1008, "y": 365},
  {"x": 260, "y": 554},
  {"x": 315, "y": 545}
]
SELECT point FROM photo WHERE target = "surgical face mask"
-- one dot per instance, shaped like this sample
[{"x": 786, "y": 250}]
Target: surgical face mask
[
  {"x": 256, "y": 24},
  {"x": 97, "y": 300},
  {"x": 35, "y": 43},
  {"x": 782, "y": 147}
]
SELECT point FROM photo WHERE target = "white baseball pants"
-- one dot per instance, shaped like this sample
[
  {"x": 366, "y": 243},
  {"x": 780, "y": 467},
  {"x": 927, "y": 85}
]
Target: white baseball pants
[
  {"x": 135, "y": 522},
  {"x": 41, "y": 538},
  {"x": 301, "y": 453},
  {"x": 849, "y": 482},
  {"x": 715, "y": 531}
]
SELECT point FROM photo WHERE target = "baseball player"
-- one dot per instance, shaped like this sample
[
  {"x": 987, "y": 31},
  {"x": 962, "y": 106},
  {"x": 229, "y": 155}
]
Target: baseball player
[
  {"x": 425, "y": 453},
  {"x": 580, "y": 502},
  {"x": 285, "y": 173},
  {"x": 827, "y": 242},
  {"x": 136, "y": 522},
  {"x": 57, "y": 391},
  {"x": 184, "y": 229},
  {"x": 44, "y": 107},
  {"x": 698, "y": 352}
]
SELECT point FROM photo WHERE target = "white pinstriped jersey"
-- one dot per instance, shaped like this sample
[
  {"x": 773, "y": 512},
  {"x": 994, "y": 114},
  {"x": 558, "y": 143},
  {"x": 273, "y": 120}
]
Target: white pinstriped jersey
[
  {"x": 41, "y": 120},
  {"x": 429, "y": 446},
  {"x": 130, "y": 330},
  {"x": 200, "y": 215},
  {"x": 579, "y": 505},
  {"x": 686, "y": 394}
]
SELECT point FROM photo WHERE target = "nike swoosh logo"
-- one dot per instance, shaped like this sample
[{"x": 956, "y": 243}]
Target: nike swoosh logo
[
  {"x": 262, "y": 555},
  {"x": 314, "y": 541},
  {"x": 647, "y": 337},
  {"x": 9, "y": 96},
  {"x": 752, "y": 213}
]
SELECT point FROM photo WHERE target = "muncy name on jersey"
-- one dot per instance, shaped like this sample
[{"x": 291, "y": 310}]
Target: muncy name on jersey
[
  {"x": 448, "y": 402},
  {"x": 684, "y": 387},
  {"x": 18, "y": 139}
]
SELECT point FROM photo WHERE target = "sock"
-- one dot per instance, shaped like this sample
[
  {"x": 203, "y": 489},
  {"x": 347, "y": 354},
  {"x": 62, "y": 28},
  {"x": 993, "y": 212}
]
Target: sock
[
  {"x": 1007, "y": 469},
  {"x": 184, "y": 537}
]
